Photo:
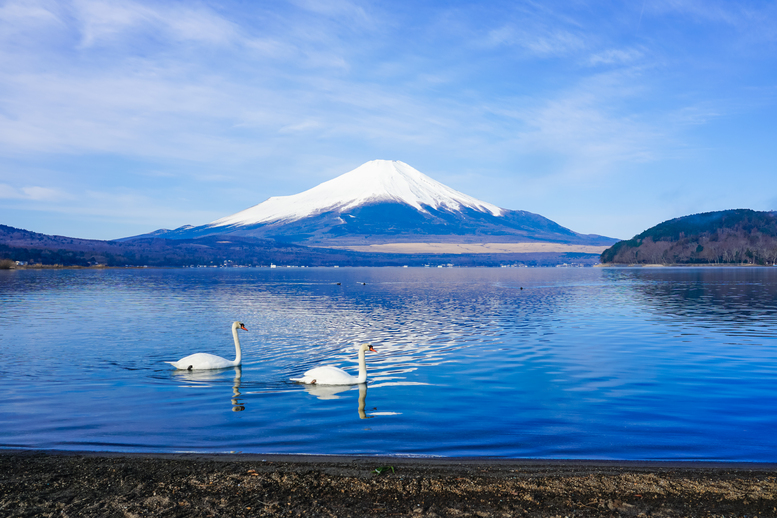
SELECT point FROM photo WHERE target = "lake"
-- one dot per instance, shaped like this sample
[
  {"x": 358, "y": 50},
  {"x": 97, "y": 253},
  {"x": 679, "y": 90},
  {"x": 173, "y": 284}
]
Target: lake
[{"x": 572, "y": 363}]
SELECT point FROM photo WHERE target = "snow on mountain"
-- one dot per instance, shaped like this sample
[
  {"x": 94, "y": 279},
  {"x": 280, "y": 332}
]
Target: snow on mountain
[
  {"x": 383, "y": 201},
  {"x": 373, "y": 182}
]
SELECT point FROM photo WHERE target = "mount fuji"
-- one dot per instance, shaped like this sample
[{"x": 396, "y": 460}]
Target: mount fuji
[{"x": 384, "y": 201}]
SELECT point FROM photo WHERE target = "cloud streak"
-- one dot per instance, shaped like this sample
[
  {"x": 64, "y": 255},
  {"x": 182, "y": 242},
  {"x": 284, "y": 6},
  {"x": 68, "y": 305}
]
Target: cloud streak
[
  {"x": 102, "y": 23},
  {"x": 32, "y": 193}
]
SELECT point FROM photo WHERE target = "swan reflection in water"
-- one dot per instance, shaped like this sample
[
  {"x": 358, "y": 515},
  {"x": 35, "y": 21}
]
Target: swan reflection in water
[
  {"x": 331, "y": 391},
  {"x": 203, "y": 376}
]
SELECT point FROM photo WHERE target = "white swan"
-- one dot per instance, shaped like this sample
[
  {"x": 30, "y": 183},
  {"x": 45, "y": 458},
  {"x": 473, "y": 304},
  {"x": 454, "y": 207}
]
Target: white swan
[
  {"x": 201, "y": 361},
  {"x": 329, "y": 375}
]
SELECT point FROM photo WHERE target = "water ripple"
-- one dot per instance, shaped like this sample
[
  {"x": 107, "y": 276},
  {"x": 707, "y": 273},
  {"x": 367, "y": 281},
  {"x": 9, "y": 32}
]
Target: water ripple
[{"x": 594, "y": 363}]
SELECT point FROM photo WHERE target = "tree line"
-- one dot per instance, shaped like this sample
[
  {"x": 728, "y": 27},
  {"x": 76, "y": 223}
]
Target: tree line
[{"x": 739, "y": 236}]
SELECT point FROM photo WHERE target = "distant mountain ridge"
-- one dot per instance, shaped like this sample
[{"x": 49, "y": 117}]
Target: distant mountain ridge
[
  {"x": 384, "y": 201},
  {"x": 739, "y": 236},
  {"x": 34, "y": 248}
]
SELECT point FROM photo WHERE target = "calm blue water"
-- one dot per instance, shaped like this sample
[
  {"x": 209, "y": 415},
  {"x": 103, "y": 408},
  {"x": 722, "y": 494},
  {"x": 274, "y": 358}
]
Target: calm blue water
[{"x": 581, "y": 363}]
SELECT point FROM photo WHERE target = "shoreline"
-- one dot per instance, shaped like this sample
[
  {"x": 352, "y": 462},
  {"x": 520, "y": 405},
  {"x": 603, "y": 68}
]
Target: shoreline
[
  {"x": 76, "y": 483},
  {"x": 682, "y": 265},
  {"x": 598, "y": 265},
  {"x": 445, "y": 248}
]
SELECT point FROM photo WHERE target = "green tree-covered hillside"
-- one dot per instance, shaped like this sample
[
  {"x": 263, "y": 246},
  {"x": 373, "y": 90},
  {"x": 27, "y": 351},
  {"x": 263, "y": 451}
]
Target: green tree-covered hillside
[{"x": 739, "y": 236}]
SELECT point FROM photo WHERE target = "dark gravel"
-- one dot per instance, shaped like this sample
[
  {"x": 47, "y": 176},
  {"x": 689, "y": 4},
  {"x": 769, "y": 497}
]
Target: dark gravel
[{"x": 34, "y": 483}]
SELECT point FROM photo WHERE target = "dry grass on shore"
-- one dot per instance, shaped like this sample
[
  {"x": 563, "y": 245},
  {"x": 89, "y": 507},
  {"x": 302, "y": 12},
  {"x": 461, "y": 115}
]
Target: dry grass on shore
[{"x": 58, "y": 484}]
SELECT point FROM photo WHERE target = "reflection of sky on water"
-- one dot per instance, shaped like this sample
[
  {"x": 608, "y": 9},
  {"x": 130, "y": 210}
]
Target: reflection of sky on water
[
  {"x": 737, "y": 301},
  {"x": 628, "y": 363}
]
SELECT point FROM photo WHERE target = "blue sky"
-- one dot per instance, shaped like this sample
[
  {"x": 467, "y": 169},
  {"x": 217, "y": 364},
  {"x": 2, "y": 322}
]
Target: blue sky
[{"x": 118, "y": 118}]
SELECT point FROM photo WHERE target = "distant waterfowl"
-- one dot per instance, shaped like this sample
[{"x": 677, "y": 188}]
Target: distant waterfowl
[
  {"x": 202, "y": 361},
  {"x": 328, "y": 375}
]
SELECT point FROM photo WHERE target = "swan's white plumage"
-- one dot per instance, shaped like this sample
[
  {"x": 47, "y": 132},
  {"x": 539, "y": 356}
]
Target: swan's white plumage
[
  {"x": 329, "y": 375},
  {"x": 198, "y": 361},
  {"x": 202, "y": 361}
]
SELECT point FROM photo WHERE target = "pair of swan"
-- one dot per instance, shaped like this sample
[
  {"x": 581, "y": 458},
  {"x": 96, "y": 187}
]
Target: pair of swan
[{"x": 326, "y": 375}]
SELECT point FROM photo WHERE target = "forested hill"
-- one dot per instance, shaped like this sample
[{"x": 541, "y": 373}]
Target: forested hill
[{"x": 739, "y": 236}]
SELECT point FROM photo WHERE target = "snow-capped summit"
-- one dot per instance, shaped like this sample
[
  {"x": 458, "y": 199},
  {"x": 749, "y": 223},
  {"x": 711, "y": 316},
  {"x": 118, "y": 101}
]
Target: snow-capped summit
[
  {"x": 383, "y": 201},
  {"x": 373, "y": 182}
]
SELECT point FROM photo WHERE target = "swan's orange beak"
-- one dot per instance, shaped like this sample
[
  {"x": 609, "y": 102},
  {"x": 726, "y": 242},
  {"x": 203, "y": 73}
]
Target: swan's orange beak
[
  {"x": 243, "y": 327},
  {"x": 373, "y": 349}
]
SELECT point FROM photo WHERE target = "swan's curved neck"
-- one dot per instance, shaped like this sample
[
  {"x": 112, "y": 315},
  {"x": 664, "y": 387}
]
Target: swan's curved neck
[
  {"x": 238, "y": 354},
  {"x": 362, "y": 368}
]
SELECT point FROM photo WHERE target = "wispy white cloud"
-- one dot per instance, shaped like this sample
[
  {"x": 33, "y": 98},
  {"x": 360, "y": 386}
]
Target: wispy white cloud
[
  {"x": 553, "y": 42},
  {"x": 17, "y": 15},
  {"x": 753, "y": 20},
  {"x": 342, "y": 10},
  {"x": 624, "y": 56},
  {"x": 116, "y": 206},
  {"x": 586, "y": 124},
  {"x": 740, "y": 14},
  {"x": 305, "y": 125},
  {"x": 695, "y": 115},
  {"x": 32, "y": 193},
  {"x": 102, "y": 21}
]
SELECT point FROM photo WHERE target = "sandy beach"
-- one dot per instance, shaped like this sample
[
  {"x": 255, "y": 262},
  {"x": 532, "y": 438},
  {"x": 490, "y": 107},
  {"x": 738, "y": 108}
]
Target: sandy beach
[{"x": 36, "y": 483}]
